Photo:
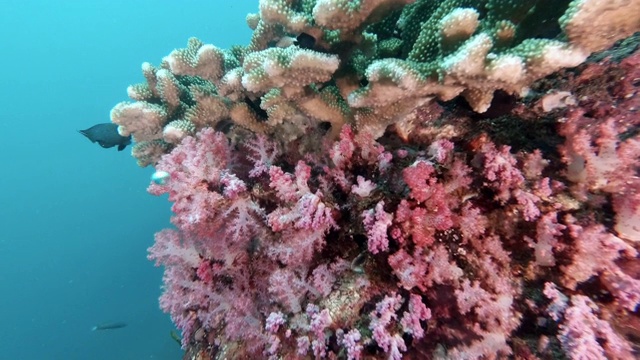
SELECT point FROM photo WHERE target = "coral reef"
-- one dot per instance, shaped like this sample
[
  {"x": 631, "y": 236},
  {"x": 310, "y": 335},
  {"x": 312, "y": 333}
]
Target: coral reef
[{"x": 334, "y": 198}]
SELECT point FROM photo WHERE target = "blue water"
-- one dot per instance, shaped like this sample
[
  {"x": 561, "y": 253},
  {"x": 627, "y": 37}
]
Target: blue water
[{"x": 75, "y": 218}]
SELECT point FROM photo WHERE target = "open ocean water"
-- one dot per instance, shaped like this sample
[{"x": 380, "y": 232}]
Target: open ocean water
[{"x": 75, "y": 218}]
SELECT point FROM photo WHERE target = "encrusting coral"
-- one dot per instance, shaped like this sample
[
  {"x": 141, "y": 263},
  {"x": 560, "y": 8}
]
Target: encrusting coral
[{"x": 397, "y": 178}]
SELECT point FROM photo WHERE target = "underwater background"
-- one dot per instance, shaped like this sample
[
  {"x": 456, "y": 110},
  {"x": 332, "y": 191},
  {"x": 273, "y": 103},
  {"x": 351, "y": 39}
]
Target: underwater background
[{"x": 76, "y": 219}]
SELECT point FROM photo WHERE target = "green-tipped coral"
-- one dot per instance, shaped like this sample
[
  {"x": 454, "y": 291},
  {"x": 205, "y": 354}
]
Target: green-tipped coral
[{"x": 370, "y": 63}]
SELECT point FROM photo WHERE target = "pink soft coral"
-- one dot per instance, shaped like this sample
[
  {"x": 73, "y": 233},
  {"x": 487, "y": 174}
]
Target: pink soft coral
[{"x": 297, "y": 249}]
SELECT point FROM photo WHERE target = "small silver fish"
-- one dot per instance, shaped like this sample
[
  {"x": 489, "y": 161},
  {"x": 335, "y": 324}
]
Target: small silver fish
[{"x": 109, "y": 326}]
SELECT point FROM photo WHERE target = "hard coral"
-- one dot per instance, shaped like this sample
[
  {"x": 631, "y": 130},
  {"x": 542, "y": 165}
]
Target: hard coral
[{"x": 371, "y": 63}]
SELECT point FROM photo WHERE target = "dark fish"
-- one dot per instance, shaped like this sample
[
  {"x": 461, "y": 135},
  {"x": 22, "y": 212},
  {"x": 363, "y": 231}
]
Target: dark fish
[
  {"x": 107, "y": 136},
  {"x": 256, "y": 108},
  {"x": 305, "y": 41},
  {"x": 109, "y": 326}
]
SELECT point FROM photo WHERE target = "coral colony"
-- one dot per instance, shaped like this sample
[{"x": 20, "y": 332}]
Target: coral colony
[{"x": 392, "y": 179}]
